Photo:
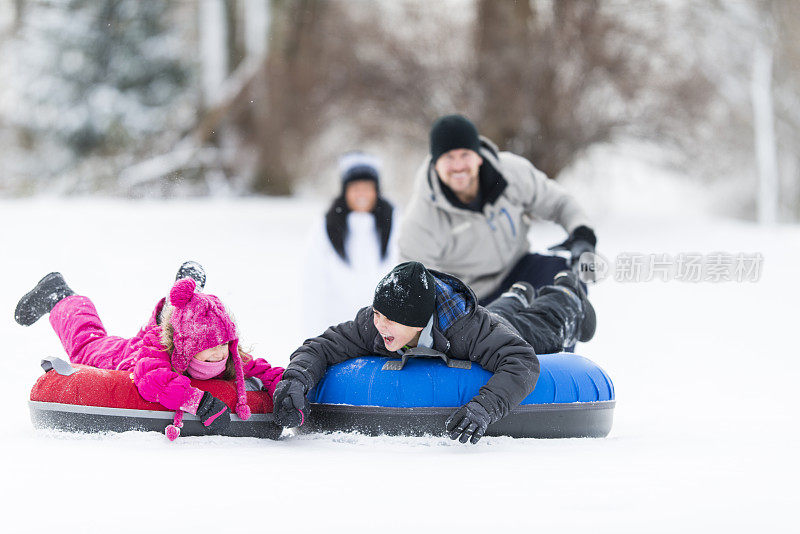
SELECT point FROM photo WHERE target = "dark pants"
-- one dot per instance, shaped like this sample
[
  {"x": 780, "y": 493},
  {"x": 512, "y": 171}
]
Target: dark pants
[
  {"x": 536, "y": 269},
  {"x": 549, "y": 324}
]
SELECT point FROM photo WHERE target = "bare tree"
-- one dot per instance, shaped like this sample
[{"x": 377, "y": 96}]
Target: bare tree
[
  {"x": 559, "y": 77},
  {"x": 330, "y": 66},
  {"x": 786, "y": 85},
  {"x": 280, "y": 112}
]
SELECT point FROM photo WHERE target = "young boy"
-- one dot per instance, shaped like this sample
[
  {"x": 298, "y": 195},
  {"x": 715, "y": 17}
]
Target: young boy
[{"x": 414, "y": 307}]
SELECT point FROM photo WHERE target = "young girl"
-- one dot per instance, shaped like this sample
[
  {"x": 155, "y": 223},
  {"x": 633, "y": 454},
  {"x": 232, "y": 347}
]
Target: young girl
[{"x": 195, "y": 336}]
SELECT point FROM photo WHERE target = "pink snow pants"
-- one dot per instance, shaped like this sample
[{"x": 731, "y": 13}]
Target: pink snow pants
[{"x": 81, "y": 332}]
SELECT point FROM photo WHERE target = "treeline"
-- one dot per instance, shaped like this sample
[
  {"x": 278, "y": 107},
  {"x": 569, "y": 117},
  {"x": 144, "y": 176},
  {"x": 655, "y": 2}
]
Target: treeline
[{"x": 165, "y": 98}]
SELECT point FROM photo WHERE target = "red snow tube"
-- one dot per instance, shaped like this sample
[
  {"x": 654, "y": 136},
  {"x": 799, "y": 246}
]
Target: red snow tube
[{"x": 79, "y": 398}]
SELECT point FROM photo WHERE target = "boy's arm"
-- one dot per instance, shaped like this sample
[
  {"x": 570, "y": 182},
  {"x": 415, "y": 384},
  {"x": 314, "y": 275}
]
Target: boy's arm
[
  {"x": 337, "y": 344},
  {"x": 499, "y": 349}
]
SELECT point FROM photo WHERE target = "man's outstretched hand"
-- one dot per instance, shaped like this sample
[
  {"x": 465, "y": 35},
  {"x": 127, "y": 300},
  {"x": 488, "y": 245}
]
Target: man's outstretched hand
[{"x": 581, "y": 240}]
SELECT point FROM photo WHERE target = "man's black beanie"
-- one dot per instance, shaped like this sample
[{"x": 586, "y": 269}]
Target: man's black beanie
[
  {"x": 451, "y": 132},
  {"x": 406, "y": 295}
]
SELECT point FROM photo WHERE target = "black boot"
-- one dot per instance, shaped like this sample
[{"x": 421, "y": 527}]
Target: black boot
[
  {"x": 192, "y": 269},
  {"x": 40, "y": 300},
  {"x": 188, "y": 269},
  {"x": 588, "y": 318},
  {"x": 521, "y": 290}
]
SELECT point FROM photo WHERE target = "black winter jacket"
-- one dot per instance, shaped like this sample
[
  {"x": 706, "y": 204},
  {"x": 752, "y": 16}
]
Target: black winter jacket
[{"x": 462, "y": 330}]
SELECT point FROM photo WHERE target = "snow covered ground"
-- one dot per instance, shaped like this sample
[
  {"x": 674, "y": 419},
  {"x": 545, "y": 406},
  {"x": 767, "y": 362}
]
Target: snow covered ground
[{"x": 705, "y": 436}]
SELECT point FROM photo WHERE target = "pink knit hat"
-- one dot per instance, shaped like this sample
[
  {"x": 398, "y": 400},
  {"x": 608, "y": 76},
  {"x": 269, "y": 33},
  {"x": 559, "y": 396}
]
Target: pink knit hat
[{"x": 199, "y": 322}]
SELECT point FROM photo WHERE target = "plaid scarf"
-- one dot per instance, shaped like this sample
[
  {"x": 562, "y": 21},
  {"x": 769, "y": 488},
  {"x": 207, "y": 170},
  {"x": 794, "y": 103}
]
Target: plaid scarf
[{"x": 452, "y": 302}]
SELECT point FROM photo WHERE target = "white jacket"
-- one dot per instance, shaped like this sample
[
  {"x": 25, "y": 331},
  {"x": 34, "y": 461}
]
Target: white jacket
[{"x": 333, "y": 291}]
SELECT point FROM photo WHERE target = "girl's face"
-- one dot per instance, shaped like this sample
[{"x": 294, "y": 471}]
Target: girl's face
[
  {"x": 395, "y": 335},
  {"x": 214, "y": 354}
]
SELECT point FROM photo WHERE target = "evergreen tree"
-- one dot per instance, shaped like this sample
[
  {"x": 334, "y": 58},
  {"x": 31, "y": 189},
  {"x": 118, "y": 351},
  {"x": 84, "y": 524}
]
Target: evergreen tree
[{"x": 97, "y": 79}]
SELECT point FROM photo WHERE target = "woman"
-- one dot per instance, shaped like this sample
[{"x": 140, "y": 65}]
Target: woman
[{"x": 352, "y": 248}]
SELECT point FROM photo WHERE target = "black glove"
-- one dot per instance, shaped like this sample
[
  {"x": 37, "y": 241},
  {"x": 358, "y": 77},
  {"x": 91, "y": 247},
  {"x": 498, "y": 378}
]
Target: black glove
[
  {"x": 468, "y": 422},
  {"x": 289, "y": 401},
  {"x": 214, "y": 413},
  {"x": 581, "y": 240}
]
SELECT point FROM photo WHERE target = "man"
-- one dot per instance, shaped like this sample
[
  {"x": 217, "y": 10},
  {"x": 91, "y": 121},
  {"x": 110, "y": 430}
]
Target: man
[
  {"x": 472, "y": 208},
  {"x": 414, "y": 308}
]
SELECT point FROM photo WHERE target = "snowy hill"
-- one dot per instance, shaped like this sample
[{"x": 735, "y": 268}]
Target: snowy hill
[{"x": 705, "y": 434}]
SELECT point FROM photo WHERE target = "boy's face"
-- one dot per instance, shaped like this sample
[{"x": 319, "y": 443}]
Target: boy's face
[{"x": 395, "y": 335}]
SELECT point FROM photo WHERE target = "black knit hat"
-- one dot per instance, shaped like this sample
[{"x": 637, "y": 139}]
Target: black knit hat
[
  {"x": 406, "y": 295},
  {"x": 451, "y": 132}
]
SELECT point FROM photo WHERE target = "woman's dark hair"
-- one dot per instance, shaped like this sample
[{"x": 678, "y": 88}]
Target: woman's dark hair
[{"x": 336, "y": 224}]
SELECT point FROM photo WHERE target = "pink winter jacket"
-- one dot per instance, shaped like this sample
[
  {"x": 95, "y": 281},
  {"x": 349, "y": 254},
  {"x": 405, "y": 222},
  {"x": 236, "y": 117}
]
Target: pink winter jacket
[{"x": 157, "y": 382}]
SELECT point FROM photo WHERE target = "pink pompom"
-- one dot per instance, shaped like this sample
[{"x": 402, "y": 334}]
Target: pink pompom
[
  {"x": 172, "y": 432},
  {"x": 182, "y": 292},
  {"x": 243, "y": 411}
]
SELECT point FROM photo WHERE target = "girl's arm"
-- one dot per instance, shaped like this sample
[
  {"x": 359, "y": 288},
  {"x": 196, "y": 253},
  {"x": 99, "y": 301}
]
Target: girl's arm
[
  {"x": 261, "y": 369},
  {"x": 157, "y": 382}
]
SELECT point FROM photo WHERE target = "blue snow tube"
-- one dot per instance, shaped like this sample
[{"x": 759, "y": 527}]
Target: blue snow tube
[{"x": 572, "y": 398}]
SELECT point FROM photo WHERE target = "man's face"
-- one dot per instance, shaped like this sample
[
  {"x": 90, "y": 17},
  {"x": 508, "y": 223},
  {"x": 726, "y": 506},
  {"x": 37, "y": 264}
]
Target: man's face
[
  {"x": 458, "y": 169},
  {"x": 395, "y": 335},
  {"x": 361, "y": 195}
]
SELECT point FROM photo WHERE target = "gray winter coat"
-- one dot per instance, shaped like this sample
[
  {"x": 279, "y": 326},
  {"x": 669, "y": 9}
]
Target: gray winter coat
[
  {"x": 461, "y": 329},
  {"x": 482, "y": 247}
]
